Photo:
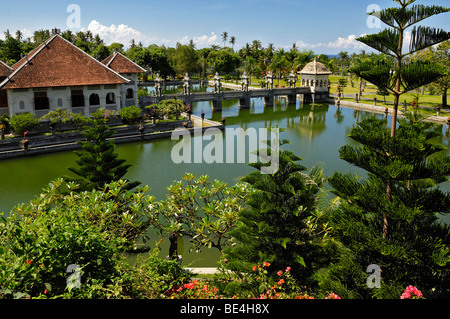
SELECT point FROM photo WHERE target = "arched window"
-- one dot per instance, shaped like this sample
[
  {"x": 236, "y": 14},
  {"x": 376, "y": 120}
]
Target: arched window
[
  {"x": 130, "y": 94},
  {"x": 321, "y": 82},
  {"x": 60, "y": 103},
  {"x": 22, "y": 105},
  {"x": 94, "y": 99},
  {"x": 110, "y": 98}
]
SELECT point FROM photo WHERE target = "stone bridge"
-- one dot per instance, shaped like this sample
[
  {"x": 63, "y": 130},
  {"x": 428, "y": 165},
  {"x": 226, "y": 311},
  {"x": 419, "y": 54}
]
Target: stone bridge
[{"x": 244, "y": 94}]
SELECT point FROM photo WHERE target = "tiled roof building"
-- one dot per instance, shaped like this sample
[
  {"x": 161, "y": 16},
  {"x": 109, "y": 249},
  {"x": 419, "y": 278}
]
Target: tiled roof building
[
  {"x": 121, "y": 64},
  {"x": 58, "y": 74}
]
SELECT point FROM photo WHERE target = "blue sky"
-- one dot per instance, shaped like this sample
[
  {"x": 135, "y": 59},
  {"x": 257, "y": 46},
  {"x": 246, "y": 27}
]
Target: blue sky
[{"x": 324, "y": 26}]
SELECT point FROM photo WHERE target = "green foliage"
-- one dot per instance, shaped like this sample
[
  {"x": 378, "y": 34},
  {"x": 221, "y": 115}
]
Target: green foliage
[
  {"x": 154, "y": 278},
  {"x": 203, "y": 210},
  {"x": 280, "y": 224},
  {"x": 58, "y": 117},
  {"x": 21, "y": 123},
  {"x": 40, "y": 241},
  {"x": 103, "y": 113},
  {"x": 131, "y": 114},
  {"x": 390, "y": 219},
  {"x": 98, "y": 163},
  {"x": 224, "y": 61},
  {"x": 91, "y": 230},
  {"x": 399, "y": 75},
  {"x": 186, "y": 59},
  {"x": 166, "y": 109}
]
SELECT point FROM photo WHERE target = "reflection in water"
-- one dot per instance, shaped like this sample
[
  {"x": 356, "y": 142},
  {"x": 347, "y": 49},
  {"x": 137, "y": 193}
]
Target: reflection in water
[{"x": 316, "y": 133}]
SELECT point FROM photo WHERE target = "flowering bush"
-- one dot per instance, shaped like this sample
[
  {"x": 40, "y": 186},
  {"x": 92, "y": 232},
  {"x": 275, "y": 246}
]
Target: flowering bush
[
  {"x": 260, "y": 285},
  {"x": 195, "y": 290},
  {"x": 411, "y": 292}
]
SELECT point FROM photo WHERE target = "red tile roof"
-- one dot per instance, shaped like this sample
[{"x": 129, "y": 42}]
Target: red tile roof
[
  {"x": 121, "y": 64},
  {"x": 59, "y": 63},
  {"x": 5, "y": 70}
]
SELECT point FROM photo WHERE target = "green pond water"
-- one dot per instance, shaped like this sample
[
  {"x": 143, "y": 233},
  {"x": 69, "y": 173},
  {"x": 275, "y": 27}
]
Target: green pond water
[{"x": 316, "y": 133}]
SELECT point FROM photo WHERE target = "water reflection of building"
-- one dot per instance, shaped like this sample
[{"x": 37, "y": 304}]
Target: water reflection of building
[{"x": 312, "y": 120}]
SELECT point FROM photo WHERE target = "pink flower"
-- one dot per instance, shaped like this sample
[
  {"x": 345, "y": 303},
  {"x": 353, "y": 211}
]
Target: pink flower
[
  {"x": 288, "y": 269},
  {"x": 410, "y": 292},
  {"x": 279, "y": 273},
  {"x": 332, "y": 295}
]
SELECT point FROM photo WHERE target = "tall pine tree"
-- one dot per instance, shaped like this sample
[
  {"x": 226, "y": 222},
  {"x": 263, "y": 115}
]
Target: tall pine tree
[
  {"x": 279, "y": 225},
  {"x": 415, "y": 249},
  {"x": 400, "y": 75},
  {"x": 98, "y": 163}
]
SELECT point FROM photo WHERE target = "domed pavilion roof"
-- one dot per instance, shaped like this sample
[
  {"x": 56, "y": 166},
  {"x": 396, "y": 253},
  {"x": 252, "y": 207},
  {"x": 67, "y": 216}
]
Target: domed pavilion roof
[{"x": 315, "y": 67}]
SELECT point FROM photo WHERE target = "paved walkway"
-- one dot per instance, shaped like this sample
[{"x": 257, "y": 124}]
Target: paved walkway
[{"x": 381, "y": 110}]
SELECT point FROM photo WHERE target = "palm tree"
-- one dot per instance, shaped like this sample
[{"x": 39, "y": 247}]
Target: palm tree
[
  {"x": 279, "y": 62},
  {"x": 256, "y": 45},
  {"x": 250, "y": 66},
  {"x": 343, "y": 57},
  {"x": 232, "y": 41},
  {"x": 224, "y": 38},
  {"x": 19, "y": 35},
  {"x": 302, "y": 59}
]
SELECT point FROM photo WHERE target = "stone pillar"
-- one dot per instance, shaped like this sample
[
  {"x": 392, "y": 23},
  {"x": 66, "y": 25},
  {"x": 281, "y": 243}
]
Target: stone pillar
[
  {"x": 292, "y": 98},
  {"x": 217, "y": 84},
  {"x": 268, "y": 100},
  {"x": 244, "y": 103},
  {"x": 269, "y": 81},
  {"x": 292, "y": 79},
  {"x": 244, "y": 82},
  {"x": 187, "y": 84},
  {"x": 217, "y": 104},
  {"x": 158, "y": 86}
]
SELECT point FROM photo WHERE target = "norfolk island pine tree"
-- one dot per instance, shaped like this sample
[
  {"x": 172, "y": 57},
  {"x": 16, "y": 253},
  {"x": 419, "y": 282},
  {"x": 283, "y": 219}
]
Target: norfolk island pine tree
[
  {"x": 278, "y": 225},
  {"x": 415, "y": 249},
  {"x": 98, "y": 163},
  {"x": 400, "y": 75}
]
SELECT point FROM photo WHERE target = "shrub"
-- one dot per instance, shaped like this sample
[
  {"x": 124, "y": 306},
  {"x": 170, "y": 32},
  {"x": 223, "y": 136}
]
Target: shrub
[
  {"x": 21, "y": 123},
  {"x": 36, "y": 252},
  {"x": 130, "y": 114},
  {"x": 155, "y": 278},
  {"x": 57, "y": 118}
]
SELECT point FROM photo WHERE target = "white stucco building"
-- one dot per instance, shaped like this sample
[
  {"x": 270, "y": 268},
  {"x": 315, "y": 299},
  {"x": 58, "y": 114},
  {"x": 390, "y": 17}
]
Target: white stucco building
[
  {"x": 315, "y": 76},
  {"x": 57, "y": 74},
  {"x": 129, "y": 70}
]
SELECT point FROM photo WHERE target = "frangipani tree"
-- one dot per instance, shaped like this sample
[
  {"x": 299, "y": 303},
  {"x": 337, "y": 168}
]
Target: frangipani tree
[{"x": 400, "y": 75}]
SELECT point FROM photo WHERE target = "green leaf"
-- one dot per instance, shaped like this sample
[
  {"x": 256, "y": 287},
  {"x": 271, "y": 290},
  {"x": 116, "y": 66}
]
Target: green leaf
[{"x": 300, "y": 260}]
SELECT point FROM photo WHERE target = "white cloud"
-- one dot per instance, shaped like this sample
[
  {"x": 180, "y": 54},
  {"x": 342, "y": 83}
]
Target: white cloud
[
  {"x": 349, "y": 42},
  {"x": 119, "y": 33},
  {"x": 202, "y": 41},
  {"x": 124, "y": 34},
  {"x": 341, "y": 43}
]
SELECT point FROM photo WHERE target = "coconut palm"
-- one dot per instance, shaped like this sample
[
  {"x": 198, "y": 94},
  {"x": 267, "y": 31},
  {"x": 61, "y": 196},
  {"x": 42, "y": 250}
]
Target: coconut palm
[{"x": 224, "y": 38}]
